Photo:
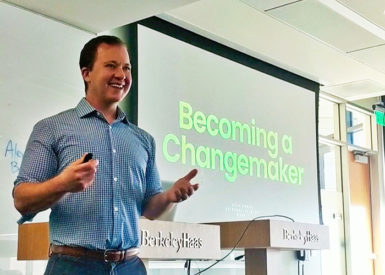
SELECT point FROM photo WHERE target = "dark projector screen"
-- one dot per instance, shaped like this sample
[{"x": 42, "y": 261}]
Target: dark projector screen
[{"x": 252, "y": 136}]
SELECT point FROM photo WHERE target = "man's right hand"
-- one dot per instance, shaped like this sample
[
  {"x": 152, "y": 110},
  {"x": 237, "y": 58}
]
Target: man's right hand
[
  {"x": 31, "y": 197},
  {"x": 77, "y": 176}
]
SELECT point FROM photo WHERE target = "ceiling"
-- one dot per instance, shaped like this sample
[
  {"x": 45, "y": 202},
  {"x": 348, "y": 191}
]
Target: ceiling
[
  {"x": 96, "y": 16},
  {"x": 340, "y": 44}
]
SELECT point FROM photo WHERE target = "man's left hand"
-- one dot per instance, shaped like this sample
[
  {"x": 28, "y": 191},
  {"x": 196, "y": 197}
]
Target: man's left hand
[{"x": 182, "y": 188}]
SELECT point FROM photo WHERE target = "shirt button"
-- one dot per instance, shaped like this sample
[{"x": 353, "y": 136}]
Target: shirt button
[
  {"x": 113, "y": 151},
  {"x": 115, "y": 179},
  {"x": 109, "y": 126},
  {"x": 116, "y": 209}
]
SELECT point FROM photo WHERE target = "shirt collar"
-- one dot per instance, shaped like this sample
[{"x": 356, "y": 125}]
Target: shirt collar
[
  {"x": 122, "y": 116},
  {"x": 84, "y": 108}
]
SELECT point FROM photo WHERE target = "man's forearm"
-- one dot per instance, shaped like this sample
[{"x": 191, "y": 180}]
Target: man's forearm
[
  {"x": 180, "y": 191},
  {"x": 156, "y": 206},
  {"x": 35, "y": 197}
]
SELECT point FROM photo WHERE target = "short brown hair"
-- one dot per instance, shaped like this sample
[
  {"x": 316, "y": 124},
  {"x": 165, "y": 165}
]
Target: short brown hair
[{"x": 88, "y": 53}]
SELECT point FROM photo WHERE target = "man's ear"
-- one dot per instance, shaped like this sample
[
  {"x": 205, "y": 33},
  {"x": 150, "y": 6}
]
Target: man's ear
[{"x": 85, "y": 74}]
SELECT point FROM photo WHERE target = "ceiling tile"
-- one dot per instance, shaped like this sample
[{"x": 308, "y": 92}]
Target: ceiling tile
[
  {"x": 372, "y": 10},
  {"x": 321, "y": 22},
  {"x": 356, "y": 90},
  {"x": 373, "y": 57},
  {"x": 264, "y": 5}
]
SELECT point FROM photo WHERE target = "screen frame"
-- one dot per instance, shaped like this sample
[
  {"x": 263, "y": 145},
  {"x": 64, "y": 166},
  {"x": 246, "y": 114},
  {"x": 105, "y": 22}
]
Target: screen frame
[{"x": 129, "y": 34}]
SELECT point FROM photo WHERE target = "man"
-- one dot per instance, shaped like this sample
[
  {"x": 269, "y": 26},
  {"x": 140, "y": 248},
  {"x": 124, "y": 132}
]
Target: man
[{"x": 95, "y": 204}]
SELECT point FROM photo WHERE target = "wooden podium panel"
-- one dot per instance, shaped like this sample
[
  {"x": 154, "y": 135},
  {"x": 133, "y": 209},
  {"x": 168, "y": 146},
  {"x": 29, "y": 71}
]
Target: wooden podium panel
[
  {"x": 33, "y": 241},
  {"x": 159, "y": 239}
]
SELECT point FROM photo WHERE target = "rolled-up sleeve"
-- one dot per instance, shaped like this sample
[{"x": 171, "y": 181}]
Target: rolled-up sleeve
[
  {"x": 39, "y": 160},
  {"x": 153, "y": 184}
]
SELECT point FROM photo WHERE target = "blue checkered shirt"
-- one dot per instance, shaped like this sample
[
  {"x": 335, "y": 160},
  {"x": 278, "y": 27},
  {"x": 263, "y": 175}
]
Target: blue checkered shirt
[{"x": 105, "y": 215}]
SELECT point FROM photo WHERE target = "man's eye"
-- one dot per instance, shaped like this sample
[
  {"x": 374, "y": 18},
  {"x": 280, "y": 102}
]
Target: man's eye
[
  {"x": 127, "y": 68},
  {"x": 110, "y": 66}
]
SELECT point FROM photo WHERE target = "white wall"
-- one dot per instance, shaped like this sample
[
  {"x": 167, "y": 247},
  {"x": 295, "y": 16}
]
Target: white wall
[{"x": 39, "y": 76}]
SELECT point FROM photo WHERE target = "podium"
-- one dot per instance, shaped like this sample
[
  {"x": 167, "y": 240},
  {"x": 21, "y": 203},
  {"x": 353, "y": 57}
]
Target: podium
[
  {"x": 160, "y": 240},
  {"x": 264, "y": 239}
]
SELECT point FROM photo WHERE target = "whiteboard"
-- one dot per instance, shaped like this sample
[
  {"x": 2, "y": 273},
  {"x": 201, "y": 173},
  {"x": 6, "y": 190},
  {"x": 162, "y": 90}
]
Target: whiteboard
[{"x": 39, "y": 77}]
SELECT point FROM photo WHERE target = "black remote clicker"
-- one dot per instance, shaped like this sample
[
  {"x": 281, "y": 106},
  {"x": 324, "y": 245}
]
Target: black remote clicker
[{"x": 87, "y": 157}]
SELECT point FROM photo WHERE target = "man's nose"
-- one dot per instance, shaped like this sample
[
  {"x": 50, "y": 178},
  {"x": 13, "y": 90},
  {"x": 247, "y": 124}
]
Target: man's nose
[{"x": 119, "y": 73}]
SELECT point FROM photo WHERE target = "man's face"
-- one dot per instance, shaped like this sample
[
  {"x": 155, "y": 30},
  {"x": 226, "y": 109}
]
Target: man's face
[{"x": 110, "y": 77}]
